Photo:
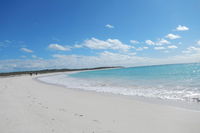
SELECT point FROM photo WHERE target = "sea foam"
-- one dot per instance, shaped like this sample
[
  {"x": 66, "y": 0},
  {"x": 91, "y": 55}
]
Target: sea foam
[{"x": 108, "y": 84}]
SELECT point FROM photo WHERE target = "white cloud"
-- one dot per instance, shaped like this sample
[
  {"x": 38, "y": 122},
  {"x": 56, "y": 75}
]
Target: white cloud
[
  {"x": 172, "y": 47},
  {"x": 162, "y": 42},
  {"x": 172, "y": 36},
  {"x": 159, "y": 48},
  {"x": 134, "y": 41},
  {"x": 182, "y": 28},
  {"x": 192, "y": 49},
  {"x": 149, "y": 42},
  {"x": 158, "y": 43},
  {"x": 198, "y": 42},
  {"x": 94, "y": 43},
  {"x": 26, "y": 50},
  {"x": 58, "y": 47},
  {"x": 109, "y": 26},
  {"x": 141, "y": 48},
  {"x": 114, "y": 44}
]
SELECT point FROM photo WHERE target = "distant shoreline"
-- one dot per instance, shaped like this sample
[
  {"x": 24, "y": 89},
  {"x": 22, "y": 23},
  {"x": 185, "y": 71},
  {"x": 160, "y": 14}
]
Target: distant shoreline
[{"x": 45, "y": 71}]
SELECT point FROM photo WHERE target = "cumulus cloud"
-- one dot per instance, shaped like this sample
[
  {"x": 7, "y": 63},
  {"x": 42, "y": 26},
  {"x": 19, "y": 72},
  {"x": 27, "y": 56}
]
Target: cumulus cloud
[
  {"x": 172, "y": 36},
  {"x": 172, "y": 47},
  {"x": 162, "y": 42},
  {"x": 109, "y": 26},
  {"x": 26, "y": 50},
  {"x": 158, "y": 43},
  {"x": 134, "y": 41},
  {"x": 159, "y": 48},
  {"x": 149, "y": 42},
  {"x": 182, "y": 28},
  {"x": 58, "y": 47},
  {"x": 114, "y": 44}
]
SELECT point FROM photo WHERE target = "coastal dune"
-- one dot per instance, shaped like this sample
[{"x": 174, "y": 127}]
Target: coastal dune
[{"x": 30, "y": 106}]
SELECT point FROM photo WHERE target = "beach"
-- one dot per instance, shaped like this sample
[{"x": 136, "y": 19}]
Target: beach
[{"x": 30, "y": 106}]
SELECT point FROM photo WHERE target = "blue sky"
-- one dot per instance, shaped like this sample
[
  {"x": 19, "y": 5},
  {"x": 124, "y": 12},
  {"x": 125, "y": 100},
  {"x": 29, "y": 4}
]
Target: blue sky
[{"x": 43, "y": 34}]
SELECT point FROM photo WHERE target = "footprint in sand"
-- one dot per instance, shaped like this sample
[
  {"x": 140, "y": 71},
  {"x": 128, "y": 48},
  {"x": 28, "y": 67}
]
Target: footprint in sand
[{"x": 80, "y": 115}]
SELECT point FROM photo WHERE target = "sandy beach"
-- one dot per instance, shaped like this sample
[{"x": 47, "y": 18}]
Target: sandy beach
[{"x": 29, "y": 106}]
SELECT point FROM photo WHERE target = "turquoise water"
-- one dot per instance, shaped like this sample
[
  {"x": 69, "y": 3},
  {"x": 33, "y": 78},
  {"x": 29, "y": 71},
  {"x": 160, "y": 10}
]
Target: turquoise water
[{"x": 175, "y": 82}]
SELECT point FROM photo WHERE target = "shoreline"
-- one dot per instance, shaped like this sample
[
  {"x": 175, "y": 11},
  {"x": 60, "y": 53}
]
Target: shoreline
[
  {"x": 30, "y": 106},
  {"x": 193, "y": 106}
]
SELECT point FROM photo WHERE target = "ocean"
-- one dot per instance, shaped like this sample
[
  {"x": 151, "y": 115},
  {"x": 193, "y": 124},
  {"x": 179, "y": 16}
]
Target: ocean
[{"x": 176, "y": 82}]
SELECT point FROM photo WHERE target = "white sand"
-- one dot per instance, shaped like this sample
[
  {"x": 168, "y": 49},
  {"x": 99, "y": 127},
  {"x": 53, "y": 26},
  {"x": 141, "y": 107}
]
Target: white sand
[{"x": 28, "y": 106}]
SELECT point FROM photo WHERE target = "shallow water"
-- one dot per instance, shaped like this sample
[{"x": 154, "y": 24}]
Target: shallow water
[{"x": 179, "y": 82}]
